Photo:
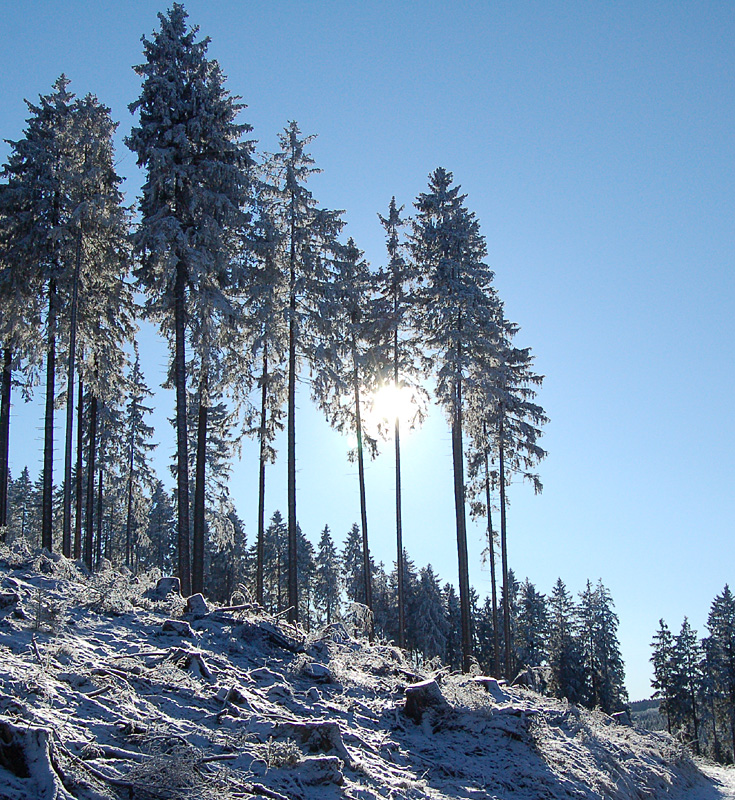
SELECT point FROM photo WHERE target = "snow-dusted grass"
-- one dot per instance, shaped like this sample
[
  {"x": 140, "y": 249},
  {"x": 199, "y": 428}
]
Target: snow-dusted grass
[{"x": 97, "y": 701}]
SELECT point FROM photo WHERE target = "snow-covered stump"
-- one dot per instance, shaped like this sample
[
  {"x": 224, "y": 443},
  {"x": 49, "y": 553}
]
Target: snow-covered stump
[
  {"x": 27, "y": 754},
  {"x": 196, "y": 606},
  {"x": 423, "y": 697},
  {"x": 166, "y": 587},
  {"x": 318, "y": 737}
]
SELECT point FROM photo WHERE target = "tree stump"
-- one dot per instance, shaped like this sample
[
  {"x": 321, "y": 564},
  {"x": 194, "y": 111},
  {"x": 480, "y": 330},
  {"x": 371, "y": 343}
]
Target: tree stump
[{"x": 423, "y": 697}]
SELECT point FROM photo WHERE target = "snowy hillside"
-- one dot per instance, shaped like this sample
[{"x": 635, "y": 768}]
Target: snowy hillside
[{"x": 109, "y": 688}]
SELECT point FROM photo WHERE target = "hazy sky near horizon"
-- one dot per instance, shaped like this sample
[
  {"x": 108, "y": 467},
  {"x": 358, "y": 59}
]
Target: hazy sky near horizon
[{"x": 595, "y": 144}]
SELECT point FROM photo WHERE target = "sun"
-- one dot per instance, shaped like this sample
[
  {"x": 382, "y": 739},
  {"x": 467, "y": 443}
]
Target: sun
[{"x": 392, "y": 402}]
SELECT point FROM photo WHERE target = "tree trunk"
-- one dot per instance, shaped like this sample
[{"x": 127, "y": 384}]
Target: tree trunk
[
  {"x": 293, "y": 584},
  {"x": 129, "y": 515},
  {"x": 47, "y": 507},
  {"x": 91, "y": 457},
  {"x": 70, "y": 368},
  {"x": 100, "y": 505},
  {"x": 504, "y": 552},
  {"x": 197, "y": 564},
  {"x": 260, "y": 549},
  {"x": 399, "y": 521},
  {"x": 367, "y": 572},
  {"x": 80, "y": 471},
  {"x": 491, "y": 554},
  {"x": 182, "y": 455},
  {"x": 459, "y": 507},
  {"x": 5, "y": 386}
]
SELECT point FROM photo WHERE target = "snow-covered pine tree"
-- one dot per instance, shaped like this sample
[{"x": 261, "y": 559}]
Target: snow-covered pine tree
[
  {"x": 404, "y": 362},
  {"x": 454, "y": 633},
  {"x": 20, "y": 325},
  {"x": 98, "y": 260},
  {"x": 509, "y": 600},
  {"x": 604, "y": 667},
  {"x": 431, "y": 633},
  {"x": 192, "y": 205},
  {"x": 505, "y": 423},
  {"x": 531, "y": 627},
  {"x": 138, "y": 440},
  {"x": 275, "y": 574},
  {"x": 348, "y": 371},
  {"x": 720, "y": 645},
  {"x": 267, "y": 331},
  {"x": 353, "y": 565},
  {"x": 38, "y": 233},
  {"x": 306, "y": 574},
  {"x": 662, "y": 681},
  {"x": 687, "y": 679},
  {"x": 327, "y": 583},
  {"x": 160, "y": 529},
  {"x": 309, "y": 233},
  {"x": 482, "y": 481},
  {"x": 457, "y": 318},
  {"x": 20, "y": 506},
  {"x": 564, "y": 653}
]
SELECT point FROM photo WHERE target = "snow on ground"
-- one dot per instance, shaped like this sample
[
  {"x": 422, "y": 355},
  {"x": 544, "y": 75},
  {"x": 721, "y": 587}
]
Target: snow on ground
[{"x": 109, "y": 689}]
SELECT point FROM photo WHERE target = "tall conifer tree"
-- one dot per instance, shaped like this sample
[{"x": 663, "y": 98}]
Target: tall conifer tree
[{"x": 196, "y": 186}]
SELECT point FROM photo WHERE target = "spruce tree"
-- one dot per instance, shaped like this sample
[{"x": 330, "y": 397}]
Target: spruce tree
[
  {"x": 564, "y": 653},
  {"x": 38, "y": 234},
  {"x": 138, "y": 435},
  {"x": 431, "y": 633},
  {"x": 349, "y": 369},
  {"x": 191, "y": 209},
  {"x": 721, "y": 646},
  {"x": 663, "y": 677},
  {"x": 601, "y": 652},
  {"x": 403, "y": 362},
  {"x": 531, "y": 627},
  {"x": 327, "y": 578},
  {"x": 267, "y": 331},
  {"x": 457, "y": 319},
  {"x": 309, "y": 233}
]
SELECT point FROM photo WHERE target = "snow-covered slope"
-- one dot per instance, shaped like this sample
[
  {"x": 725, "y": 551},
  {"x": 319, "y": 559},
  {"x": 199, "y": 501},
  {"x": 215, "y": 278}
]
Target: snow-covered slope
[{"x": 108, "y": 690}]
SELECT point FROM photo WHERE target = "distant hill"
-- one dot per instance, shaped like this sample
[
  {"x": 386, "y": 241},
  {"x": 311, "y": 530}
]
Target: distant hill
[{"x": 646, "y": 715}]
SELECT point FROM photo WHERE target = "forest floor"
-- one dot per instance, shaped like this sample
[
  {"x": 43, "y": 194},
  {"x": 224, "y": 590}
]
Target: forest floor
[{"x": 110, "y": 688}]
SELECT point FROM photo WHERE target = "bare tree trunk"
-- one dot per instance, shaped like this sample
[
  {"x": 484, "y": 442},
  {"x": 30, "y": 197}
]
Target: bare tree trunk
[
  {"x": 491, "y": 556},
  {"x": 47, "y": 508},
  {"x": 129, "y": 515},
  {"x": 368, "y": 583},
  {"x": 66, "y": 543},
  {"x": 260, "y": 548},
  {"x": 459, "y": 507},
  {"x": 197, "y": 571},
  {"x": 293, "y": 583},
  {"x": 91, "y": 474},
  {"x": 100, "y": 506},
  {"x": 182, "y": 455},
  {"x": 5, "y": 387},
  {"x": 504, "y": 552},
  {"x": 79, "y": 476},
  {"x": 399, "y": 521}
]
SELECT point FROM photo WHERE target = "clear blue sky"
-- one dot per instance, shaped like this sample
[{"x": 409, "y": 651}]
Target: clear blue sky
[{"x": 595, "y": 142}]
